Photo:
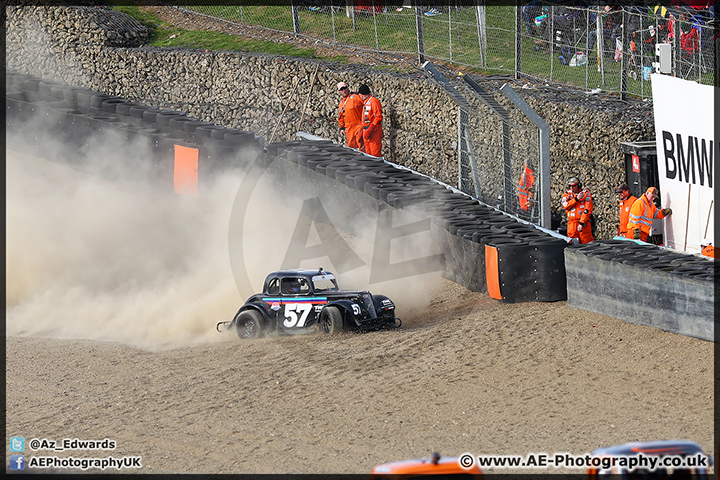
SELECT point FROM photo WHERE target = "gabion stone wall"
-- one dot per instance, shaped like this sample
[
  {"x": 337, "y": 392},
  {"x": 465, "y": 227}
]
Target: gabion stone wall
[{"x": 270, "y": 95}]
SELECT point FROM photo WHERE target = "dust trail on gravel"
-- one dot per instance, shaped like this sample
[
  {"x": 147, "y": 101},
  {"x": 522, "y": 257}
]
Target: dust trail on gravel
[
  {"x": 112, "y": 259},
  {"x": 88, "y": 258}
]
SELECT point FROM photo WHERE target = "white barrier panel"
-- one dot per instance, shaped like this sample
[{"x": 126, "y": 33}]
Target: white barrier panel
[{"x": 686, "y": 151}]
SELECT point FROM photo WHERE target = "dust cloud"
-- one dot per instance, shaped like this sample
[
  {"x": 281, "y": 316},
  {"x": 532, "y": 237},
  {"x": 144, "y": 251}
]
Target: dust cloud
[
  {"x": 96, "y": 253},
  {"x": 89, "y": 258}
]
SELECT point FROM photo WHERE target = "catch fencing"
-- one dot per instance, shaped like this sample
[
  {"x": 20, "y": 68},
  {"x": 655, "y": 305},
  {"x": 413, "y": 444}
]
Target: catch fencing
[{"x": 555, "y": 44}]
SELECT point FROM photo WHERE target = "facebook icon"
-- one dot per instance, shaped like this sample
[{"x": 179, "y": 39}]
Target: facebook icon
[{"x": 17, "y": 462}]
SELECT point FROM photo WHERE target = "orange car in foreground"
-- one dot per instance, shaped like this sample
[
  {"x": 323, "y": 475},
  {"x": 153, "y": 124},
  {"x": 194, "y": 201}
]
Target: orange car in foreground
[{"x": 448, "y": 467}]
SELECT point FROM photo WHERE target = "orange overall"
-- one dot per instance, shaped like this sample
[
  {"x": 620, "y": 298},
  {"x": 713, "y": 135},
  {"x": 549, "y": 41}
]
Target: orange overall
[
  {"x": 350, "y": 118},
  {"x": 625, "y": 206},
  {"x": 372, "y": 126},
  {"x": 579, "y": 207},
  {"x": 525, "y": 188},
  {"x": 642, "y": 213},
  {"x": 708, "y": 251}
]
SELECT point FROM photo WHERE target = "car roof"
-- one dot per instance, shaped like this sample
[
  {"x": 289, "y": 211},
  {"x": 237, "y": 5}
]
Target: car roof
[
  {"x": 444, "y": 465},
  {"x": 298, "y": 272},
  {"x": 656, "y": 447}
]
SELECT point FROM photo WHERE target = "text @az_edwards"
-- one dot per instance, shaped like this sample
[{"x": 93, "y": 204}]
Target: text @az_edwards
[{"x": 71, "y": 444}]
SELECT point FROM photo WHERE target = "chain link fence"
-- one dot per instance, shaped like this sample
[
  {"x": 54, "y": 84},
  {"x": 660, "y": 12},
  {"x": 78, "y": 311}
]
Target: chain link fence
[{"x": 557, "y": 44}]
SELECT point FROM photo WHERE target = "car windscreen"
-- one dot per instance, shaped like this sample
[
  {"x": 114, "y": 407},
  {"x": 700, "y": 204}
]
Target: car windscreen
[{"x": 324, "y": 283}]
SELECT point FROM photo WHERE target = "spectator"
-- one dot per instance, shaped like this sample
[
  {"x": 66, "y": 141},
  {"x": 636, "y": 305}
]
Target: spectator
[
  {"x": 530, "y": 11},
  {"x": 372, "y": 122},
  {"x": 562, "y": 20},
  {"x": 626, "y": 202},
  {"x": 707, "y": 248},
  {"x": 578, "y": 204},
  {"x": 642, "y": 214},
  {"x": 350, "y": 116},
  {"x": 610, "y": 21}
]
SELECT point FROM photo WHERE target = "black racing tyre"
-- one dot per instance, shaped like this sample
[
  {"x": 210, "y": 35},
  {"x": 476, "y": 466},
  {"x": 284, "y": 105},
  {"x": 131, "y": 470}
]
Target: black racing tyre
[
  {"x": 163, "y": 118},
  {"x": 338, "y": 149},
  {"x": 136, "y": 111},
  {"x": 191, "y": 126},
  {"x": 330, "y": 321},
  {"x": 45, "y": 89},
  {"x": 177, "y": 122},
  {"x": 97, "y": 99},
  {"x": 406, "y": 201},
  {"x": 341, "y": 173},
  {"x": 321, "y": 167},
  {"x": 304, "y": 158},
  {"x": 57, "y": 92},
  {"x": 313, "y": 162},
  {"x": 205, "y": 131},
  {"x": 277, "y": 148},
  {"x": 372, "y": 187},
  {"x": 363, "y": 175},
  {"x": 110, "y": 106},
  {"x": 249, "y": 325},
  {"x": 150, "y": 114},
  {"x": 691, "y": 271},
  {"x": 239, "y": 137},
  {"x": 123, "y": 108}
]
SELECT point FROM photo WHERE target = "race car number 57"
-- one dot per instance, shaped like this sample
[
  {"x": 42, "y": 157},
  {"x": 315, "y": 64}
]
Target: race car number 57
[{"x": 291, "y": 314}]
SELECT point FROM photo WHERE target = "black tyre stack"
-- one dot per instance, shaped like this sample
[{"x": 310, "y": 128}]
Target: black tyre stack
[{"x": 53, "y": 113}]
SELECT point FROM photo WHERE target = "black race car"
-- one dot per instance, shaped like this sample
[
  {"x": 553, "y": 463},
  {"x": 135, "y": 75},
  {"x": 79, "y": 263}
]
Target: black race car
[{"x": 303, "y": 301}]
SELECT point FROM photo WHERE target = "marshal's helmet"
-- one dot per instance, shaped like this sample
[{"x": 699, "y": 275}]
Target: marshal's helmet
[{"x": 574, "y": 181}]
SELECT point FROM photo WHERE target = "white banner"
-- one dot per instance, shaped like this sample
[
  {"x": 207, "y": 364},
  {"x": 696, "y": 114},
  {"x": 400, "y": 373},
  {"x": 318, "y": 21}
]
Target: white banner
[{"x": 686, "y": 152}]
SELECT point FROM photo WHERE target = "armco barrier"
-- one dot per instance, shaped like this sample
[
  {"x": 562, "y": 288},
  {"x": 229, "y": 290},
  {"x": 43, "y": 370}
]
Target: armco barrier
[{"x": 645, "y": 285}]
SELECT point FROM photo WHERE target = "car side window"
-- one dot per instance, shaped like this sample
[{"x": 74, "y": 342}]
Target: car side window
[
  {"x": 274, "y": 287},
  {"x": 304, "y": 286},
  {"x": 290, "y": 286}
]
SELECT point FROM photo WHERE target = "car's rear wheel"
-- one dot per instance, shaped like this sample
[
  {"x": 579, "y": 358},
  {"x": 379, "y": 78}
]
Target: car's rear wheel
[
  {"x": 249, "y": 325},
  {"x": 330, "y": 321}
]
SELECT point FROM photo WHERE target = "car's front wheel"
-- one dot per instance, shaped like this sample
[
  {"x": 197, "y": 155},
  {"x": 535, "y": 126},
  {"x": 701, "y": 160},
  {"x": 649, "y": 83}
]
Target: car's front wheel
[
  {"x": 249, "y": 325},
  {"x": 330, "y": 321}
]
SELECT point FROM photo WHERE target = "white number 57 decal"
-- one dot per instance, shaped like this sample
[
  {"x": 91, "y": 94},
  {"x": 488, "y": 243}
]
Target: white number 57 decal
[{"x": 291, "y": 314}]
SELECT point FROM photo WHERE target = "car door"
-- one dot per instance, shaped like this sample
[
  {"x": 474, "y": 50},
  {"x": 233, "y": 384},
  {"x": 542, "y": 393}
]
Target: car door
[{"x": 299, "y": 307}]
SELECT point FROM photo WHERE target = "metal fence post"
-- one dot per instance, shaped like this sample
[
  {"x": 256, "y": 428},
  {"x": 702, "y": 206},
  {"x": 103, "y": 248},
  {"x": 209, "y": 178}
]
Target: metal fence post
[
  {"x": 377, "y": 45},
  {"x": 624, "y": 52},
  {"x": 544, "y": 145},
  {"x": 449, "y": 17},
  {"x": 482, "y": 34},
  {"x": 332, "y": 19},
  {"x": 551, "y": 39},
  {"x": 296, "y": 19},
  {"x": 600, "y": 42},
  {"x": 518, "y": 40},
  {"x": 676, "y": 55},
  {"x": 419, "y": 30}
]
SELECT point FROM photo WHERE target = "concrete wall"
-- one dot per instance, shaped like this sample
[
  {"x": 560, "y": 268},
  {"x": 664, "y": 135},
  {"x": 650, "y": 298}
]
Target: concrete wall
[{"x": 251, "y": 92}]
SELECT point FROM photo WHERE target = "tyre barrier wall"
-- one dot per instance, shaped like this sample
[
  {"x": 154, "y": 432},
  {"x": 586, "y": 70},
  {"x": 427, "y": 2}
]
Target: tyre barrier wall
[
  {"x": 483, "y": 249},
  {"x": 643, "y": 284},
  {"x": 184, "y": 152}
]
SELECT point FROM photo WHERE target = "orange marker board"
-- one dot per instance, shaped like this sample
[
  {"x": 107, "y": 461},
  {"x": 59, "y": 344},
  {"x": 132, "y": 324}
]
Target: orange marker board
[
  {"x": 492, "y": 272},
  {"x": 186, "y": 170}
]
